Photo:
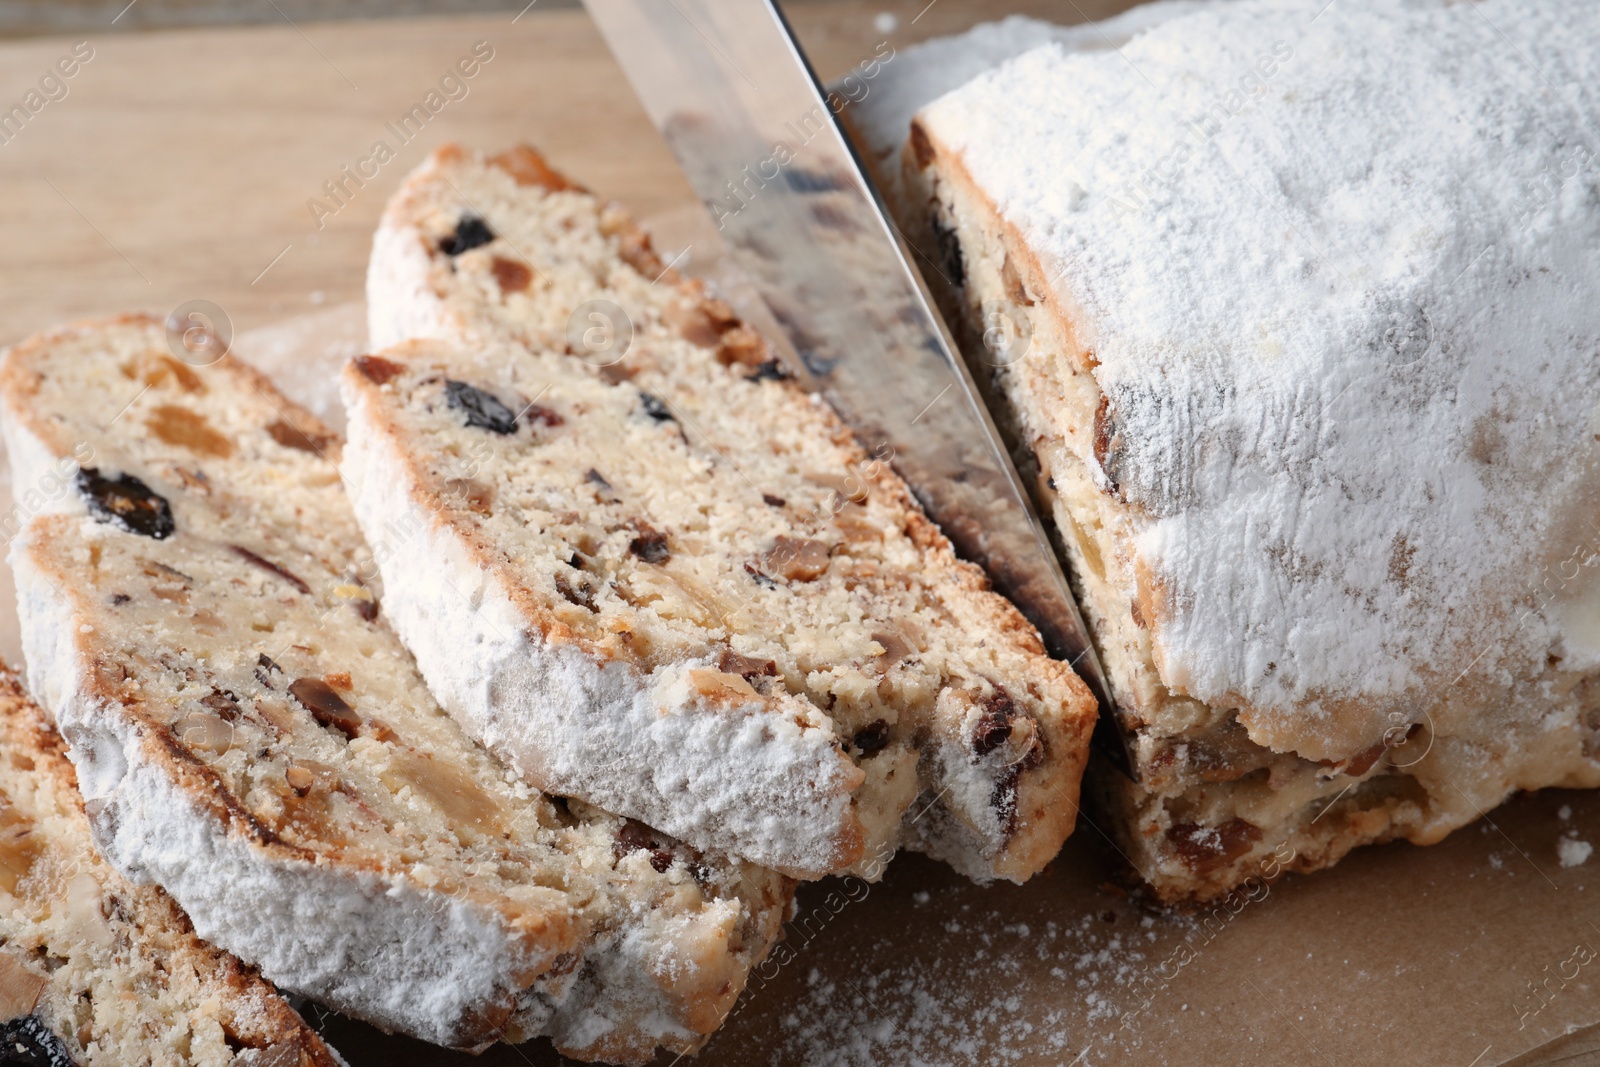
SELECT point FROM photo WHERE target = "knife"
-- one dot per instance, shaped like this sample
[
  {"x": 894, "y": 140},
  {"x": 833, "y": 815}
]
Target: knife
[{"x": 732, "y": 93}]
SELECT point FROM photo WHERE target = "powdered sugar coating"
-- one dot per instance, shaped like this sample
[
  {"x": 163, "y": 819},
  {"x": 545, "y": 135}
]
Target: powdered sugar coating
[
  {"x": 926, "y": 71},
  {"x": 1353, "y": 438}
]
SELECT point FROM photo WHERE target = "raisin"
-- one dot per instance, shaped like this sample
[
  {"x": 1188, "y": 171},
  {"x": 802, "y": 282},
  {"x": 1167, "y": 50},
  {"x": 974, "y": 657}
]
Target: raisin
[
  {"x": 635, "y": 836},
  {"x": 650, "y": 545},
  {"x": 127, "y": 502},
  {"x": 994, "y": 725},
  {"x": 582, "y": 595},
  {"x": 270, "y": 567},
  {"x": 470, "y": 232},
  {"x": 326, "y": 706},
  {"x": 1108, "y": 446},
  {"x": 769, "y": 371},
  {"x": 291, "y": 436},
  {"x": 542, "y": 415},
  {"x": 949, "y": 252},
  {"x": 28, "y": 1042},
  {"x": 481, "y": 409},
  {"x": 1003, "y": 799},
  {"x": 773, "y": 501},
  {"x": 510, "y": 275},
  {"x": 872, "y": 738},
  {"x": 655, "y": 407},
  {"x": 377, "y": 370}
]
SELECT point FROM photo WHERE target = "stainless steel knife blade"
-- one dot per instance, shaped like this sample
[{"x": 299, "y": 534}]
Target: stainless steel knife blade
[{"x": 731, "y": 91}]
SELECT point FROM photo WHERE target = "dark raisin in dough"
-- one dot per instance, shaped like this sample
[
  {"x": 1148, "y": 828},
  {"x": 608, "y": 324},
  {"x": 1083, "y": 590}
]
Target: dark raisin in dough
[
  {"x": 767, "y": 371},
  {"x": 655, "y": 407},
  {"x": 27, "y": 1042},
  {"x": 471, "y": 232},
  {"x": 481, "y": 409},
  {"x": 950, "y": 252},
  {"x": 127, "y": 502},
  {"x": 872, "y": 738},
  {"x": 650, "y": 545}
]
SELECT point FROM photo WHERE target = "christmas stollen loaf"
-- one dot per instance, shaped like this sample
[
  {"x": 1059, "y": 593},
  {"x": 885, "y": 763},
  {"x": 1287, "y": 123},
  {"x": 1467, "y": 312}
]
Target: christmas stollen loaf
[
  {"x": 659, "y": 575},
  {"x": 1310, "y": 378},
  {"x": 95, "y": 969},
  {"x": 203, "y": 621}
]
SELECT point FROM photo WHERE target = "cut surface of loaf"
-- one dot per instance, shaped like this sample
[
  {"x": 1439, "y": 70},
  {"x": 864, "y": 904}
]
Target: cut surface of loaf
[
  {"x": 1310, "y": 386},
  {"x": 201, "y": 619},
  {"x": 95, "y": 969},
  {"x": 659, "y": 575}
]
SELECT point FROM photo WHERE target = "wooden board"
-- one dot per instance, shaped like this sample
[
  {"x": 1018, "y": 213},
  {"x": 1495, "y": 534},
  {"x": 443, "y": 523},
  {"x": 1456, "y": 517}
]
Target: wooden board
[{"x": 179, "y": 166}]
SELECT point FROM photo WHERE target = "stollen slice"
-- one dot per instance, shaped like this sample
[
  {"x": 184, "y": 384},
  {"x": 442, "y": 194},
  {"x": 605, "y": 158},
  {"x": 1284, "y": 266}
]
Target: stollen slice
[
  {"x": 648, "y": 569},
  {"x": 95, "y": 969},
  {"x": 202, "y": 621}
]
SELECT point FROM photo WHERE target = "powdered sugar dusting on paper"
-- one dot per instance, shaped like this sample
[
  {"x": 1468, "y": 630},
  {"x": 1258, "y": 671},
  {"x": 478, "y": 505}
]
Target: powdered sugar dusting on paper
[
  {"x": 934, "y": 1014},
  {"x": 1342, "y": 299}
]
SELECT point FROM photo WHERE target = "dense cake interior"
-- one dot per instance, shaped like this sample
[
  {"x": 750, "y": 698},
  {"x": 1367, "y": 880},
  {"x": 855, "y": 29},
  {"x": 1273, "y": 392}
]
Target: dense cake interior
[
  {"x": 94, "y": 969},
  {"x": 220, "y": 588},
  {"x": 668, "y": 497}
]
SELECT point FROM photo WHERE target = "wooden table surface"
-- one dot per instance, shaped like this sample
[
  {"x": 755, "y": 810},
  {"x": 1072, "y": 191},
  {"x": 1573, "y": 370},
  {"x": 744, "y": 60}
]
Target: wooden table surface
[{"x": 179, "y": 166}]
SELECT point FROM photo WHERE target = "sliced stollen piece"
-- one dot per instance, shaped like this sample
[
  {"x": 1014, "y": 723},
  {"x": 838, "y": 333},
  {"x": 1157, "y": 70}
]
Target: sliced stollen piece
[
  {"x": 95, "y": 969},
  {"x": 1312, "y": 391},
  {"x": 663, "y": 577},
  {"x": 252, "y": 737}
]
